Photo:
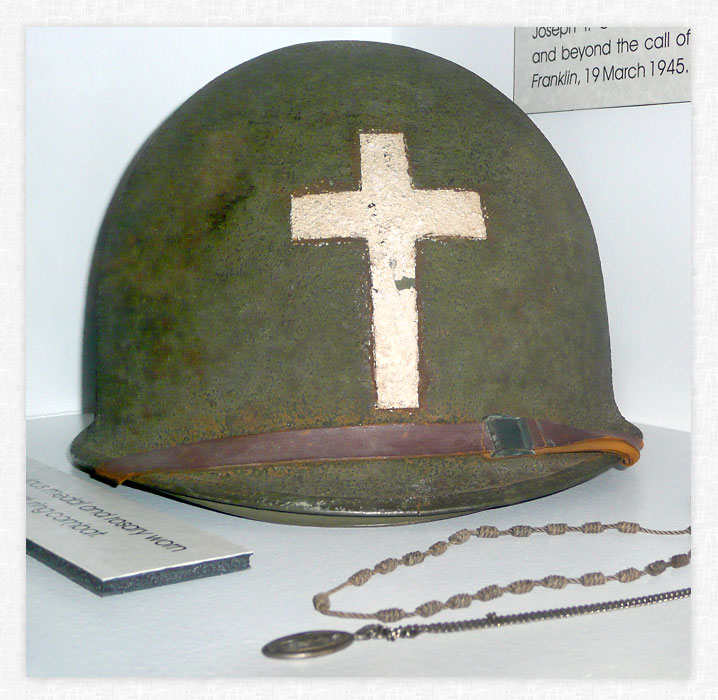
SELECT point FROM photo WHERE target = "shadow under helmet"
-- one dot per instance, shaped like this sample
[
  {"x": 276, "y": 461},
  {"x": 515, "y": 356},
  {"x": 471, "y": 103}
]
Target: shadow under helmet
[{"x": 350, "y": 283}]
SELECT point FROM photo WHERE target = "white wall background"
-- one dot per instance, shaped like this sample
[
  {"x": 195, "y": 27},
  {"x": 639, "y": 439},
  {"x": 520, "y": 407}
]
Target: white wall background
[{"x": 95, "y": 94}]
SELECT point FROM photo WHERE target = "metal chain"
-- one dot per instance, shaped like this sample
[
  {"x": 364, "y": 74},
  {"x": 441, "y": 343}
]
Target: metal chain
[
  {"x": 322, "y": 601},
  {"x": 493, "y": 620}
]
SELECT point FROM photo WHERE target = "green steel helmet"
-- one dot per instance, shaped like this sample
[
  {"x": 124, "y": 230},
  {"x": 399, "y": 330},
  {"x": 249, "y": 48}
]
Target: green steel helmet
[{"x": 350, "y": 283}]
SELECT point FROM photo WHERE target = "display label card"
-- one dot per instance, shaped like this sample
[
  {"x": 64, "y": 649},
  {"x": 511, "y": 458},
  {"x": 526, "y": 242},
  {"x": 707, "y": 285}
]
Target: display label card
[
  {"x": 109, "y": 543},
  {"x": 562, "y": 68}
]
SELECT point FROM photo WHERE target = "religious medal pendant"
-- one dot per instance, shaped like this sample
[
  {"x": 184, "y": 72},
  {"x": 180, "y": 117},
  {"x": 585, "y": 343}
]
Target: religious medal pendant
[{"x": 306, "y": 645}]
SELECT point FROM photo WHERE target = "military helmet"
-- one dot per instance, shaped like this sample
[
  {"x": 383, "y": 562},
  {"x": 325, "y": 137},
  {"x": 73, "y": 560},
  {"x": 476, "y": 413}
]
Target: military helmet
[{"x": 350, "y": 283}]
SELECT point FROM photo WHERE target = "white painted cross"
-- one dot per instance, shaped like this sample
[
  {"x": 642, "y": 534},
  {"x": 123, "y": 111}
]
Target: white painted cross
[{"x": 391, "y": 216}]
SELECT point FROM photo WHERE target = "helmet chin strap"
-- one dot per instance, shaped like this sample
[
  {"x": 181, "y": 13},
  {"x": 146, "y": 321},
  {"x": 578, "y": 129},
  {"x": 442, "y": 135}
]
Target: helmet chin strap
[{"x": 496, "y": 437}]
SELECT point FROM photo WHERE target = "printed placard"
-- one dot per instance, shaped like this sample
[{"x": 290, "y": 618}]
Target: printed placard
[
  {"x": 563, "y": 68},
  {"x": 110, "y": 544}
]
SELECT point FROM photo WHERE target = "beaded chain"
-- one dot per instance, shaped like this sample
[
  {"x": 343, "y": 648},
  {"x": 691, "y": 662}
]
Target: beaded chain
[{"x": 322, "y": 601}]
